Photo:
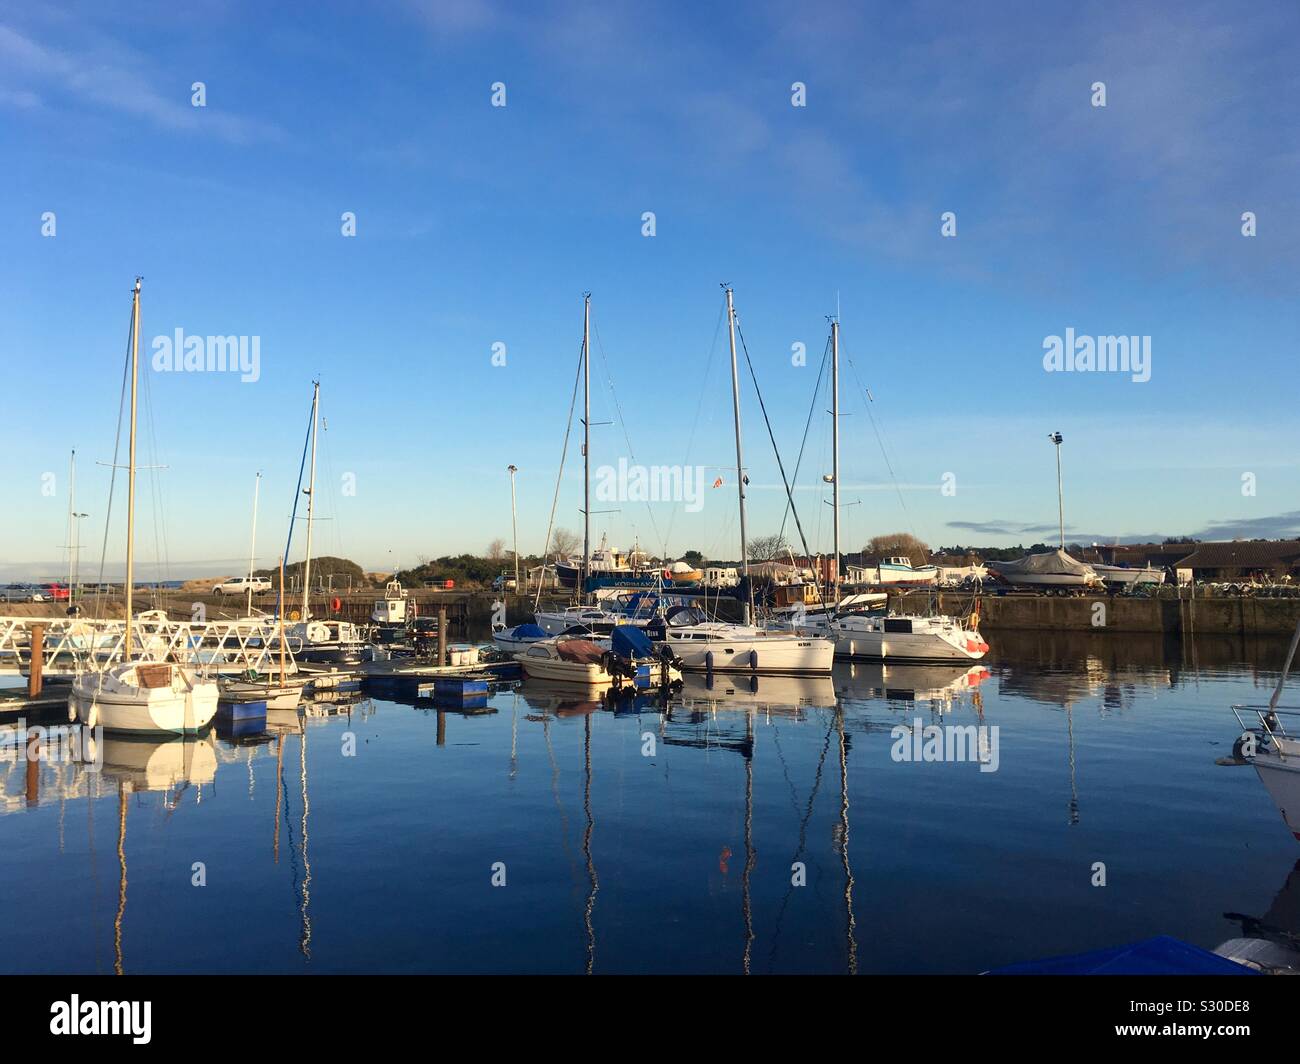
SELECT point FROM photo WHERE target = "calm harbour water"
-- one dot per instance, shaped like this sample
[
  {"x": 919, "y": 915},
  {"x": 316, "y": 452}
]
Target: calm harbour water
[{"x": 679, "y": 859}]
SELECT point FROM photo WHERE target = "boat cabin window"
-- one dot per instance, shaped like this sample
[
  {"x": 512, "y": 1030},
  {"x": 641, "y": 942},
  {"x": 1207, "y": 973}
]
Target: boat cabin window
[{"x": 900, "y": 625}]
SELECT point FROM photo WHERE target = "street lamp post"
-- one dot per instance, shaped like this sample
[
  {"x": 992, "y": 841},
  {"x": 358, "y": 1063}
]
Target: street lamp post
[
  {"x": 1056, "y": 438},
  {"x": 514, "y": 524}
]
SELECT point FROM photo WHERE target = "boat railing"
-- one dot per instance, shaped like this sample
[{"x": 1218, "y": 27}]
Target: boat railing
[{"x": 1272, "y": 724}]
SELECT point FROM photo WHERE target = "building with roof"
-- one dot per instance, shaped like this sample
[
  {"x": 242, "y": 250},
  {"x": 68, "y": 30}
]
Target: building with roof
[{"x": 1242, "y": 560}]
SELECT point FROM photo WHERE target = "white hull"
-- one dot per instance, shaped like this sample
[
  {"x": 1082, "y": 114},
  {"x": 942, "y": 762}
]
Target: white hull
[
  {"x": 717, "y": 647},
  {"x": 276, "y": 696},
  {"x": 112, "y": 700},
  {"x": 1281, "y": 778},
  {"x": 582, "y": 674},
  {"x": 927, "y": 574},
  {"x": 1116, "y": 574},
  {"x": 930, "y": 639}
]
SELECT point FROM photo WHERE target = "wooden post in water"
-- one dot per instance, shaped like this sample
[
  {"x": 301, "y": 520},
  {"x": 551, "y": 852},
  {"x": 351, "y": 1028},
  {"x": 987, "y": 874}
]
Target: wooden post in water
[
  {"x": 34, "y": 673},
  {"x": 442, "y": 636}
]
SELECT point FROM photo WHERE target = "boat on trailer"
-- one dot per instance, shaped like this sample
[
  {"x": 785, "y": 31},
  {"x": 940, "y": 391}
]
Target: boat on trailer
[
  {"x": 1124, "y": 576},
  {"x": 1052, "y": 568}
]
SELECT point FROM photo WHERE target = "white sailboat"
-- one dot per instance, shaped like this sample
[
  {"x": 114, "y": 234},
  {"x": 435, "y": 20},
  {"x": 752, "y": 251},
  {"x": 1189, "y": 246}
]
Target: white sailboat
[
  {"x": 144, "y": 696},
  {"x": 330, "y": 642},
  {"x": 869, "y": 636},
  {"x": 716, "y": 646},
  {"x": 1272, "y": 745}
]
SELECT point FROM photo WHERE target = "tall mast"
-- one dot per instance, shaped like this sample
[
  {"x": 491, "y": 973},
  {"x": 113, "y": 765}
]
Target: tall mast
[
  {"x": 130, "y": 475},
  {"x": 835, "y": 445},
  {"x": 252, "y": 545},
  {"x": 311, "y": 499},
  {"x": 586, "y": 440},
  {"x": 72, "y": 500},
  {"x": 740, "y": 457}
]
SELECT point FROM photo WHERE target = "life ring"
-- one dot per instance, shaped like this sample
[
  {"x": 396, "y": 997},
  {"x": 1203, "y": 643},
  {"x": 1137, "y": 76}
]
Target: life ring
[{"x": 336, "y": 603}]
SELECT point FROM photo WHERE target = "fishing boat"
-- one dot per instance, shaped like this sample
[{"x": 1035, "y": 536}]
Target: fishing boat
[
  {"x": 604, "y": 561},
  {"x": 141, "y": 696},
  {"x": 626, "y": 658},
  {"x": 1052, "y": 568},
  {"x": 388, "y": 616}
]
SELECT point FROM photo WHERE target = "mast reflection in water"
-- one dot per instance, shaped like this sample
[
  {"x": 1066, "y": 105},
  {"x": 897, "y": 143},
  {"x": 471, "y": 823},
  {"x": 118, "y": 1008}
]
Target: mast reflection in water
[{"x": 698, "y": 835}]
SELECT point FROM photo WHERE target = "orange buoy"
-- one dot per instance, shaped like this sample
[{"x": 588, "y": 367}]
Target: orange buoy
[{"x": 336, "y": 603}]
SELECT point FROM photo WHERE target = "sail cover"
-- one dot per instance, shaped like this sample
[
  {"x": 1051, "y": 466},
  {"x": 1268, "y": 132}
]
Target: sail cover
[
  {"x": 630, "y": 642},
  {"x": 528, "y": 631},
  {"x": 1048, "y": 563}
]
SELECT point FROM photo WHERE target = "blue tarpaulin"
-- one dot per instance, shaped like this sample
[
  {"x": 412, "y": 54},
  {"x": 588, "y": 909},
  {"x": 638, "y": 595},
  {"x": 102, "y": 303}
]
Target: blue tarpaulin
[
  {"x": 628, "y": 641},
  {"x": 528, "y": 631},
  {"x": 1154, "y": 956}
]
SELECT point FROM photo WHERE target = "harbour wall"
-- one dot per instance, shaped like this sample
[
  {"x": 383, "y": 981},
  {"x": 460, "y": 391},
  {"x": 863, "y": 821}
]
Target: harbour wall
[
  {"x": 471, "y": 613},
  {"x": 1190, "y": 616}
]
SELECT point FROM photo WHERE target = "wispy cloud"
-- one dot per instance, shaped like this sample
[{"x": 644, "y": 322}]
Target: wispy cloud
[{"x": 106, "y": 75}]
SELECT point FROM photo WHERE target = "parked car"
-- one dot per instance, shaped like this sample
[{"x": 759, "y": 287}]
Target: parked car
[
  {"x": 504, "y": 583},
  {"x": 23, "y": 593},
  {"x": 240, "y": 585},
  {"x": 55, "y": 591}
]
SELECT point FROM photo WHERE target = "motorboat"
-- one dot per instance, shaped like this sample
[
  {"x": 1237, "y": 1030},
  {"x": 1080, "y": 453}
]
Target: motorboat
[
  {"x": 627, "y": 657},
  {"x": 703, "y": 645},
  {"x": 148, "y": 697},
  {"x": 520, "y": 637},
  {"x": 897, "y": 570},
  {"x": 895, "y": 637},
  {"x": 329, "y": 642},
  {"x": 1123, "y": 576},
  {"x": 1052, "y": 568},
  {"x": 635, "y": 608}
]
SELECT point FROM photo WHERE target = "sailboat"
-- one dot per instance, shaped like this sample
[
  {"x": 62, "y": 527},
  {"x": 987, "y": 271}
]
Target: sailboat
[
  {"x": 146, "y": 697},
  {"x": 717, "y": 646},
  {"x": 330, "y": 642},
  {"x": 880, "y": 636}
]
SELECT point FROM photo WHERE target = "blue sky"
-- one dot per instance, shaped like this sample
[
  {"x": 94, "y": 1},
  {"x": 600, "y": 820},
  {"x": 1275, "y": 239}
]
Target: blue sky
[{"x": 479, "y": 224}]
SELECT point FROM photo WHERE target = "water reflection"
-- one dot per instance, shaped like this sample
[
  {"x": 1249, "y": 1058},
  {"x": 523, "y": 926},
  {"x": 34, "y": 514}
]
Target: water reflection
[{"x": 1076, "y": 782}]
